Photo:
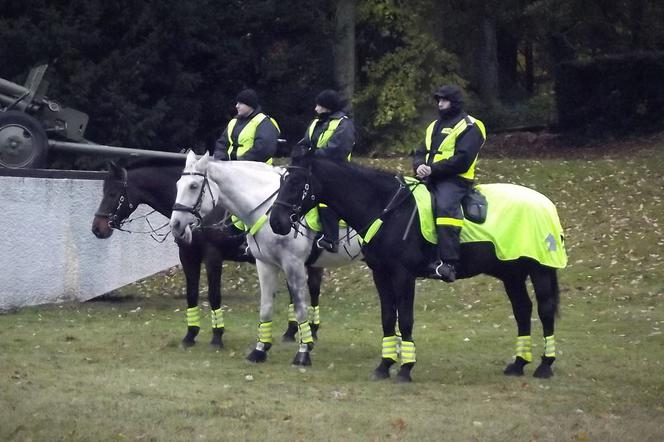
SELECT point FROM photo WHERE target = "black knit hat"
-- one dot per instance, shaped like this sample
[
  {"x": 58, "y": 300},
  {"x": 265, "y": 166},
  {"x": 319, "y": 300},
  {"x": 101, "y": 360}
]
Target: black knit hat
[
  {"x": 451, "y": 93},
  {"x": 248, "y": 97},
  {"x": 330, "y": 99}
]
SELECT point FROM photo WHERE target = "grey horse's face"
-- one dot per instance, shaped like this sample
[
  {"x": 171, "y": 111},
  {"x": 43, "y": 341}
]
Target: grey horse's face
[{"x": 194, "y": 198}]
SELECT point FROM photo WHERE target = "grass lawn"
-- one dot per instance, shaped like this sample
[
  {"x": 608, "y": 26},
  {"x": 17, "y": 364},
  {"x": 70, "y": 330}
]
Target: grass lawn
[{"x": 113, "y": 369}]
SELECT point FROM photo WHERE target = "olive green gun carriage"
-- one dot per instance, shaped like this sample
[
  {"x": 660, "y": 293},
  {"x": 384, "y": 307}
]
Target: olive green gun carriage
[{"x": 28, "y": 120}]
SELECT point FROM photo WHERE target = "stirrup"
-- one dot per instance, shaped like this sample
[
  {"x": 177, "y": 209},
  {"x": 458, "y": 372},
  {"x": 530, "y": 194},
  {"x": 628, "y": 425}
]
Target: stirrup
[
  {"x": 443, "y": 271},
  {"x": 325, "y": 244}
]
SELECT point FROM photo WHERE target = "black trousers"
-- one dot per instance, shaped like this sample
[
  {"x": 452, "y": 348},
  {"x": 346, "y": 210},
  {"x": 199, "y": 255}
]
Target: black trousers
[
  {"x": 449, "y": 216},
  {"x": 330, "y": 223}
]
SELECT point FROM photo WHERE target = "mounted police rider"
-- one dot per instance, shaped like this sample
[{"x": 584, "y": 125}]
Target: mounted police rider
[
  {"x": 331, "y": 134},
  {"x": 250, "y": 136},
  {"x": 447, "y": 159}
]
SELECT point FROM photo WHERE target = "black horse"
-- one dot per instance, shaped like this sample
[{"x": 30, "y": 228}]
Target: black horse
[
  {"x": 152, "y": 182},
  {"x": 361, "y": 196}
]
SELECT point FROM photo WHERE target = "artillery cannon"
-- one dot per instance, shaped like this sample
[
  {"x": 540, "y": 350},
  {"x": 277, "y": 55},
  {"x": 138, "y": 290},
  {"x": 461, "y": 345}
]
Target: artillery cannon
[{"x": 28, "y": 117}]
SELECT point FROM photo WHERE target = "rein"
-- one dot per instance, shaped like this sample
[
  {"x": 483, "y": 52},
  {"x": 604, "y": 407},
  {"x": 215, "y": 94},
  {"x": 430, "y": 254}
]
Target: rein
[
  {"x": 296, "y": 210},
  {"x": 116, "y": 224}
]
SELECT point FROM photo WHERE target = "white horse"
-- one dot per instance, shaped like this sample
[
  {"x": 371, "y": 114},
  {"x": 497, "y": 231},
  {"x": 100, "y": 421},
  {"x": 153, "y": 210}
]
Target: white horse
[{"x": 248, "y": 189}]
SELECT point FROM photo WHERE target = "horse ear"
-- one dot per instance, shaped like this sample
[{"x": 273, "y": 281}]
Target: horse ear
[
  {"x": 191, "y": 159},
  {"x": 202, "y": 163},
  {"x": 114, "y": 169}
]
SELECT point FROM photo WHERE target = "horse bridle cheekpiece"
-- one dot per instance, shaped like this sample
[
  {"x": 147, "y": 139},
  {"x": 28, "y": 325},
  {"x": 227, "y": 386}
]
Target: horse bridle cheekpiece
[
  {"x": 113, "y": 217},
  {"x": 196, "y": 208},
  {"x": 296, "y": 209}
]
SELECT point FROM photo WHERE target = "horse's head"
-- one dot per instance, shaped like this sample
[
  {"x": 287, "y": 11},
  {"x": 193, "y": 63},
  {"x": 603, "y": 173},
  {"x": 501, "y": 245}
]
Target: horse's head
[
  {"x": 115, "y": 206},
  {"x": 196, "y": 197},
  {"x": 297, "y": 193}
]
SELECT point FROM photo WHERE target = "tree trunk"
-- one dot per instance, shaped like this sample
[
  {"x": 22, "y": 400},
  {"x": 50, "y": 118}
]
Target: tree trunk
[
  {"x": 344, "y": 48},
  {"x": 530, "y": 67},
  {"x": 487, "y": 61}
]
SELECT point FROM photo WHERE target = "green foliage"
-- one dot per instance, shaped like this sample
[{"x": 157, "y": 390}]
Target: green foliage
[
  {"x": 164, "y": 74},
  {"x": 398, "y": 74}
]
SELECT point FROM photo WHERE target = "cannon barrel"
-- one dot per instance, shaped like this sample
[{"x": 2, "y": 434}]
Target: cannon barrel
[
  {"x": 9, "y": 88},
  {"x": 100, "y": 149}
]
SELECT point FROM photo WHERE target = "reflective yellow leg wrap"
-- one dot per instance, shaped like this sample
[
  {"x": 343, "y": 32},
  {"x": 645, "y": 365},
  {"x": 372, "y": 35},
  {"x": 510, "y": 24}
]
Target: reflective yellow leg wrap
[
  {"x": 305, "y": 333},
  {"x": 524, "y": 349},
  {"x": 194, "y": 317},
  {"x": 217, "y": 318},
  {"x": 390, "y": 347},
  {"x": 550, "y": 346},
  {"x": 407, "y": 352},
  {"x": 314, "y": 315},
  {"x": 265, "y": 332},
  {"x": 291, "y": 313}
]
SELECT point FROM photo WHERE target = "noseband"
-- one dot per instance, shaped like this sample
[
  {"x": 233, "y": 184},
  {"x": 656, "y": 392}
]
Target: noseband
[
  {"x": 113, "y": 217},
  {"x": 196, "y": 208}
]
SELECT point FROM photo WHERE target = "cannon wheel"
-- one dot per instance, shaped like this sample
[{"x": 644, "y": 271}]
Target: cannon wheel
[{"x": 23, "y": 141}]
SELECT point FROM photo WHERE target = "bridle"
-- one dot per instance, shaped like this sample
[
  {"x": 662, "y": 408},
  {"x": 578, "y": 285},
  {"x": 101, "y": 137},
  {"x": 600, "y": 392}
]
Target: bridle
[
  {"x": 196, "y": 208},
  {"x": 114, "y": 221},
  {"x": 296, "y": 209}
]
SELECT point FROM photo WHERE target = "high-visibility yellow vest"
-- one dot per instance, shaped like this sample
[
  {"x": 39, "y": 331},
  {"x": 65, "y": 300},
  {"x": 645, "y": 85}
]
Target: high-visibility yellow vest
[
  {"x": 446, "y": 148},
  {"x": 245, "y": 139},
  {"x": 327, "y": 134}
]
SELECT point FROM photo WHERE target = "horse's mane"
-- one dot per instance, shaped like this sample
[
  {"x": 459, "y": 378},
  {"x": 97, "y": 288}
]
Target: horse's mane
[
  {"x": 155, "y": 162},
  {"x": 368, "y": 172}
]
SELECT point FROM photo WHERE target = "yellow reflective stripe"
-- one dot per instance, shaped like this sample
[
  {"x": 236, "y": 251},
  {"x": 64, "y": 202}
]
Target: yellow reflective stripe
[
  {"x": 291, "y": 313},
  {"x": 194, "y": 317},
  {"x": 446, "y": 148},
  {"x": 550, "y": 346},
  {"x": 305, "y": 333},
  {"x": 265, "y": 332},
  {"x": 258, "y": 225},
  {"x": 372, "y": 230},
  {"x": 247, "y": 135},
  {"x": 217, "y": 318},
  {"x": 322, "y": 205},
  {"x": 449, "y": 222},
  {"x": 389, "y": 350},
  {"x": 407, "y": 352},
  {"x": 314, "y": 314},
  {"x": 524, "y": 348}
]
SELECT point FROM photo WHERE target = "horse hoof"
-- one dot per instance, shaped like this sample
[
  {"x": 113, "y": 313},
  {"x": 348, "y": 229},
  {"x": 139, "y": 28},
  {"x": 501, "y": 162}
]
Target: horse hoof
[
  {"x": 216, "y": 344},
  {"x": 403, "y": 378},
  {"x": 404, "y": 374},
  {"x": 302, "y": 359},
  {"x": 513, "y": 369},
  {"x": 188, "y": 343},
  {"x": 257, "y": 356},
  {"x": 380, "y": 375},
  {"x": 544, "y": 371}
]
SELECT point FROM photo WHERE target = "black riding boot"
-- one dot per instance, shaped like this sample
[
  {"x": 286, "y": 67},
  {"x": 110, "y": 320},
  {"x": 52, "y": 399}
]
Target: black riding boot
[
  {"x": 444, "y": 268},
  {"x": 329, "y": 240}
]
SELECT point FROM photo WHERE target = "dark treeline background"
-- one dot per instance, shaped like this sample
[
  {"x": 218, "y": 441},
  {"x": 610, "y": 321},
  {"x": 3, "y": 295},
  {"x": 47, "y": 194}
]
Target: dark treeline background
[{"x": 164, "y": 73}]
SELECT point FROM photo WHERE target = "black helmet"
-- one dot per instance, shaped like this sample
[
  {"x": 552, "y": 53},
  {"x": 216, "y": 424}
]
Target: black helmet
[
  {"x": 330, "y": 99},
  {"x": 451, "y": 93},
  {"x": 248, "y": 97}
]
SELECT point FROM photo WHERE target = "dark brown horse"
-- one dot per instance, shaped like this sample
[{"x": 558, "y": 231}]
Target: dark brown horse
[{"x": 381, "y": 205}]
